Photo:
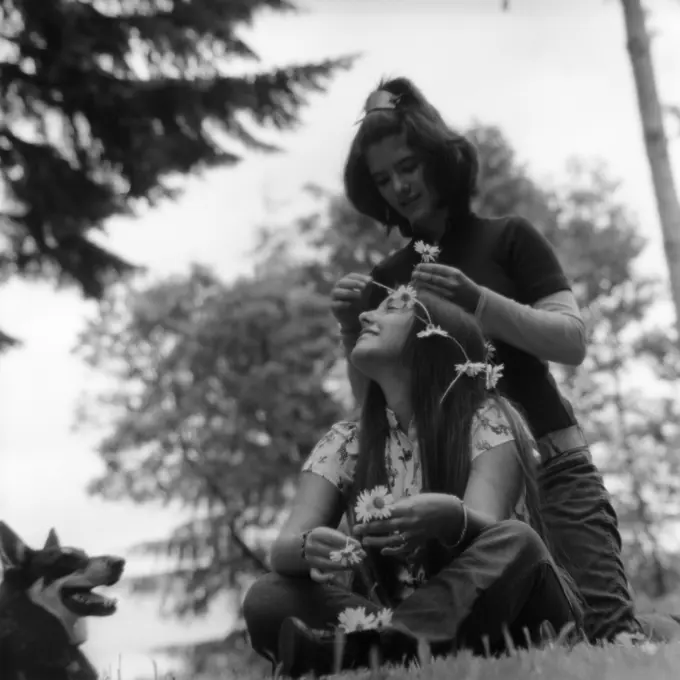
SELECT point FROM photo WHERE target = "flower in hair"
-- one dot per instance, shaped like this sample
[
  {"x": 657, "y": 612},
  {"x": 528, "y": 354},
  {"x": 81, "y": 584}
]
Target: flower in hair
[
  {"x": 493, "y": 375},
  {"x": 471, "y": 368},
  {"x": 427, "y": 252},
  {"x": 431, "y": 329},
  {"x": 373, "y": 504},
  {"x": 405, "y": 297}
]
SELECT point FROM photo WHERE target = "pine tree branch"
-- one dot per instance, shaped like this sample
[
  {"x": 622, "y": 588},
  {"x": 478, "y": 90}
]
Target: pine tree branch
[{"x": 215, "y": 490}]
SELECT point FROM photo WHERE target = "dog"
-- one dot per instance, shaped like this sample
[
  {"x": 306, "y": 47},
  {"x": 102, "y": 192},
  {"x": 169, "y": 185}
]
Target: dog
[{"x": 45, "y": 597}]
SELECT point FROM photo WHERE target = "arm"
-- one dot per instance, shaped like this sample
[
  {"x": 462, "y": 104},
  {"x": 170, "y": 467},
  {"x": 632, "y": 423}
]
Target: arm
[
  {"x": 494, "y": 488},
  {"x": 496, "y": 481},
  {"x": 551, "y": 330},
  {"x": 317, "y": 503},
  {"x": 545, "y": 320}
]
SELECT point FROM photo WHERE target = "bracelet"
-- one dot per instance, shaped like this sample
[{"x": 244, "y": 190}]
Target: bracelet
[
  {"x": 463, "y": 531},
  {"x": 303, "y": 544}
]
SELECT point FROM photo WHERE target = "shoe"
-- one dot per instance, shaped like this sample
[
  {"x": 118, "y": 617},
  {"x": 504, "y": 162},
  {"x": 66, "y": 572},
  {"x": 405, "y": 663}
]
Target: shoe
[{"x": 305, "y": 650}]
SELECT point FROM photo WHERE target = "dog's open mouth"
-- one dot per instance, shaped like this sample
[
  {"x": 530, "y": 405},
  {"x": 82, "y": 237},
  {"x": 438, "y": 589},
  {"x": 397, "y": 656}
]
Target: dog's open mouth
[{"x": 83, "y": 601}]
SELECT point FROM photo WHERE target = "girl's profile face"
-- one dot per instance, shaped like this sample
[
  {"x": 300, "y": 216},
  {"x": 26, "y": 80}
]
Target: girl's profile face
[
  {"x": 384, "y": 332},
  {"x": 399, "y": 176}
]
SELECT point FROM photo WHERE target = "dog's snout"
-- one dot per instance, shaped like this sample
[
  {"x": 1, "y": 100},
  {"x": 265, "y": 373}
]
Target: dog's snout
[
  {"x": 117, "y": 564},
  {"x": 111, "y": 568}
]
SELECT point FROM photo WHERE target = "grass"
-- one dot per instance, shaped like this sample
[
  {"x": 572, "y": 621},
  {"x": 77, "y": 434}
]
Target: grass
[
  {"x": 613, "y": 662},
  {"x": 581, "y": 663}
]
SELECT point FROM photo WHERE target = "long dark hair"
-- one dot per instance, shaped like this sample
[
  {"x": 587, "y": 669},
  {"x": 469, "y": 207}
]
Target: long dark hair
[
  {"x": 444, "y": 429},
  {"x": 451, "y": 161}
]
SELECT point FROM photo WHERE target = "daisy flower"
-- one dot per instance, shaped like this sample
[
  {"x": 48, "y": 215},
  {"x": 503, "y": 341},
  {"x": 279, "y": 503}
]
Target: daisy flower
[
  {"x": 354, "y": 619},
  {"x": 431, "y": 329},
  {"x": 383, "y": 619},
  {"x": 350, "y": 554},
  {"x": 427, "y": 252},
  {"x": 490, "y": 349},
  {"x": 471, "y": 368},
  {"x": 405, "y": 297},
  {"x": 493, "y": 375},
  {"x": 374, "y": 504}
]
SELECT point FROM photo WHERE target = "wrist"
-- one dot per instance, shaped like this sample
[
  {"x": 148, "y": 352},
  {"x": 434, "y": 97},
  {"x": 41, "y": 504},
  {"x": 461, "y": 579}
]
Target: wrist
[{"x": 480, "y": 305}]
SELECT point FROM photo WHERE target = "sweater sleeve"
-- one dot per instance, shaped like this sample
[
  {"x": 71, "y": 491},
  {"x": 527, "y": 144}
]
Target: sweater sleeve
[{"x": 552, "y": 329}]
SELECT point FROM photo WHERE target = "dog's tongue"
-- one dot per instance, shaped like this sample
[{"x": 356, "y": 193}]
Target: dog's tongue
[{"x": 92, "y": 599}]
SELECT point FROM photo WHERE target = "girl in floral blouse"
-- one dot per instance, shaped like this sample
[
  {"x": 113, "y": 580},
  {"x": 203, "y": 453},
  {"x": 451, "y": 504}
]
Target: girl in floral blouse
[{"x": 437, "y": 480}]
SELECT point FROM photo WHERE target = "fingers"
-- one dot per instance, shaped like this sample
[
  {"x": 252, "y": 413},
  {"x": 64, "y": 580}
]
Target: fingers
[
  {"x": 435, "y": 281},
  {"x": 321, "y": 576},
  {"x": 434, "y": 268},
  {"x": 352, "y": 282},
  {"x": 389, "y": 541},
  {"x": 325, "y": 539},
  {"x": 379, "y": 527},
  {"x": 324, "y": 563},
  {"x": 397, "y": 551},
  {"x": 354, "y": 276},
  {"x": 326, "y": 577}
]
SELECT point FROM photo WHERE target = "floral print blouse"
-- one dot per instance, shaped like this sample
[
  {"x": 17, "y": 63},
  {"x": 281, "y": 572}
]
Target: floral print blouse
[{"x": 334, "y": 458}]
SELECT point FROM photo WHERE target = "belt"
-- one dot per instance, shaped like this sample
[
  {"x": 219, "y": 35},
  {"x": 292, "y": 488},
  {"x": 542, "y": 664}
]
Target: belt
[{"x": 559, "y": 442}]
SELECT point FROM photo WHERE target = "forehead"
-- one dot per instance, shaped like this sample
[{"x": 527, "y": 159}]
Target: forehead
[
  {"x": 387, "y": 152},
  {"x": 394, "y": 300}
]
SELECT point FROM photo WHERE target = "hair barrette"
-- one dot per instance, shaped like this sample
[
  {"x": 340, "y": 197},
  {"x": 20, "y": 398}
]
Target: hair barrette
[{"x": 380, "y": 100}]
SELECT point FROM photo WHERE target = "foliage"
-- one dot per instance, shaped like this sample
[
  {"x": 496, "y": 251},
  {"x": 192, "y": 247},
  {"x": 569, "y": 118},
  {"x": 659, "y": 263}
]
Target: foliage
[
  {"x": 104, "y": 103},
  {"x": 221, "y": 398}
]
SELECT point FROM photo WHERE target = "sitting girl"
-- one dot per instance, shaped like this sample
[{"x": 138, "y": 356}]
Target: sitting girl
[{"x": 437, "y": 481}]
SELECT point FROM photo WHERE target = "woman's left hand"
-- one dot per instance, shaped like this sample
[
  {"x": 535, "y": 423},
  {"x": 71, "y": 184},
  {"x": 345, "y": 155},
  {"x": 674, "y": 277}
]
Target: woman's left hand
[
  {"x": 413, "y": 521},
  {"x": 449, "y": 283}
]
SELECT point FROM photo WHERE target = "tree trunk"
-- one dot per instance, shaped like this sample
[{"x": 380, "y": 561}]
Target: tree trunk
[{"x": 656, "y": 142}]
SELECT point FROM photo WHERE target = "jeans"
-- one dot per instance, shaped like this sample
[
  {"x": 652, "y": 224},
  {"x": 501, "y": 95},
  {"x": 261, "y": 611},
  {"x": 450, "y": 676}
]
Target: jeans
[
  {"x": 503, "y": 583},
  {"x": 583, "y": 528}
]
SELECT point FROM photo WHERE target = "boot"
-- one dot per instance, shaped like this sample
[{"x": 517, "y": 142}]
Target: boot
[{"x": 305, "y": 650}]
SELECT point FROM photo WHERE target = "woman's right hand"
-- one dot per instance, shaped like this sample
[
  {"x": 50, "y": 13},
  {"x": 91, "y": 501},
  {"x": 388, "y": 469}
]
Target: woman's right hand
[
  {"x": 323, "y": 541},
  {"x": 348, "y": 300}
]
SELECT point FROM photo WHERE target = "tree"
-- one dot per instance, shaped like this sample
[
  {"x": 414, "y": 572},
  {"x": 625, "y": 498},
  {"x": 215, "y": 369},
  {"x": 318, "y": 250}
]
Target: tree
[
  {"x": 656, "y": 141},
  {"x": 632, "y": 430},
  {"x": 221, "y": 398},
  {"x": 655, "y": 138},
  {"x": 639, "y": 433},
  {"x": 104, "y": 105}
]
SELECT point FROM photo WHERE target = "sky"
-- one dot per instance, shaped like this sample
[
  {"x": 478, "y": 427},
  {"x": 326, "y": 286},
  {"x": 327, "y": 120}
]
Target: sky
[{"x": 554, "y": 75}]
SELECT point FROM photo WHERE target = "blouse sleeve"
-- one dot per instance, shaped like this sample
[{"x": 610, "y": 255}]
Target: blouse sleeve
[
  {"x": 334, "y": 457},
  {"x": 490, "y": 428}
]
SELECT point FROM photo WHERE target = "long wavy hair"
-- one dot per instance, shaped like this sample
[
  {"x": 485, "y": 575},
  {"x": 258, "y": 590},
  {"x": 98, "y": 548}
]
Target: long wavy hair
[
  {"x": 450, "y": 160},
  {"x": 444, "y": 429}
]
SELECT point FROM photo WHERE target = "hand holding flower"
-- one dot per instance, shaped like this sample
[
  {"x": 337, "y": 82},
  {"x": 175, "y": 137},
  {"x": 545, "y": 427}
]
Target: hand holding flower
[{"x": 412, "y": 521}]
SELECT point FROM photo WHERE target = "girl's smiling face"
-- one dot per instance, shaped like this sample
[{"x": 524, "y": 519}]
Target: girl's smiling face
[
  {"x": 399, "y": 175},
  {"x": 385, "y": 330}
]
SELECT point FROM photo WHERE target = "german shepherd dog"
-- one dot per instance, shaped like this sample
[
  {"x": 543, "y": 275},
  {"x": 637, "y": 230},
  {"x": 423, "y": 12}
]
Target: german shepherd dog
[{"x": 45, "y": 596}]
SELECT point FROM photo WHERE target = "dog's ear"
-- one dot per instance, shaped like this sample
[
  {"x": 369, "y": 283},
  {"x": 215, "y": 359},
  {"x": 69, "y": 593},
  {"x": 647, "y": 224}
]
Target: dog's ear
[
  {"x": 14, "y": 553},
  {"x": 52, "y": 540}
]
